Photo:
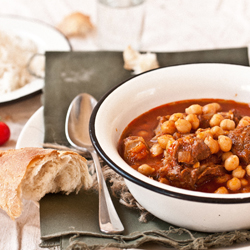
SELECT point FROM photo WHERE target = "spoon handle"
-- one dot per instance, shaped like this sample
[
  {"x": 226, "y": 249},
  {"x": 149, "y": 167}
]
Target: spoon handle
[{"x": 109, "y": 220}]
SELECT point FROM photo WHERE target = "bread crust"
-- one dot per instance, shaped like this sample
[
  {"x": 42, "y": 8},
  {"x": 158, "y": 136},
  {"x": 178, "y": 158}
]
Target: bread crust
[{"x": 14, "y": 166}]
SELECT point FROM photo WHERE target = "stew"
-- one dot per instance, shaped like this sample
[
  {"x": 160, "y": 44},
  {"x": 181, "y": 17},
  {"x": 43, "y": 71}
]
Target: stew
[{"x": 201, "y": 145}]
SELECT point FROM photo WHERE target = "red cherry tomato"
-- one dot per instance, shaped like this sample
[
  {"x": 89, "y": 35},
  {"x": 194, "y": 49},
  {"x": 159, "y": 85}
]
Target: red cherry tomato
[{"x": 4, "y": 133}]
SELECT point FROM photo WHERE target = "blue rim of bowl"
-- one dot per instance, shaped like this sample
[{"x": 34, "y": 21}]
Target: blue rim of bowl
[{"x": 130, "y": 177}]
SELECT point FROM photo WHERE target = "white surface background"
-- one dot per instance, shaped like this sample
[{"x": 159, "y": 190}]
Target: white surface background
[{"x": 170, "y": 25}]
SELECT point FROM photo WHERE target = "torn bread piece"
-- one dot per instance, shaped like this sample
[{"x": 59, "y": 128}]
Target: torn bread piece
[
  {"x": 76, "y": 24},
  {"x": 139, "y": 62},
  {"x": 30, "y": 173}
]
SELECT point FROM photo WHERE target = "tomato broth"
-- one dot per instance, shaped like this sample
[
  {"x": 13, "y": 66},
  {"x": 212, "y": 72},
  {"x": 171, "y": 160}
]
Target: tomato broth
[{"x": 191, "y": 157}]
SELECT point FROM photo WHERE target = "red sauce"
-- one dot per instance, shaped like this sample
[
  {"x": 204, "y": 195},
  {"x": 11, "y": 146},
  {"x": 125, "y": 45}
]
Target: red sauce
[{"x": 146, "y": 124}]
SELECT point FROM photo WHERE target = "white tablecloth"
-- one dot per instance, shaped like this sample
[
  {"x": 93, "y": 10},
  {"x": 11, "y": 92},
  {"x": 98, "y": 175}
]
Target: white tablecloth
[{"x": 170, "y": 25}]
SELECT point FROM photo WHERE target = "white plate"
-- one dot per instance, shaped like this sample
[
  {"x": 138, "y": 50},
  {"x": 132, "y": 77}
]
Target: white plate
[
  {"x": 46, "y": 37},
  {"x": 32, "y": 135}
]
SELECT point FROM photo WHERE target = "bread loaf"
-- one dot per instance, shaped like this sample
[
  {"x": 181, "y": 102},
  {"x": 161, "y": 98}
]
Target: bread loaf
[{"x": 30, "y": 173}]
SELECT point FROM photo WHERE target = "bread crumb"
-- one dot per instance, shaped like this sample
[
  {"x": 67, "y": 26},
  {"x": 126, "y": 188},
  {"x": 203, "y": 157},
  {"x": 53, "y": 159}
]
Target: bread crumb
[
  {"x": 76, "y": 24},
  {"x": 138, "y": 62}
]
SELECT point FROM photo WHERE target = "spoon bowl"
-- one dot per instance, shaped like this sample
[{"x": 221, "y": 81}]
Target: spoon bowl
[
  {"x": 77, "y": 133},
  {"x": 77, "y": 121}
]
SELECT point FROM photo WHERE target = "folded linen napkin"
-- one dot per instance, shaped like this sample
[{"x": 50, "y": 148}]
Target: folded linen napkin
[{"x": 71, "y": 222}]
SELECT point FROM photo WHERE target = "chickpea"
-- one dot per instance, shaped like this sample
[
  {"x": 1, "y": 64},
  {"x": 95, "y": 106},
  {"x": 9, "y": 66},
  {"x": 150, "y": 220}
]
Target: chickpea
[
  {"x": 239, "y": 172},
  {"x": 227, "y": 124},
  {"x": 170, "y": 141},
  {"x": 216, "y": 131},
  {"x": 225, "y": 143},
  {"x": 211, "y": 108},
  {"x": 216, "y": 120},
  {"x": 193, "y": 119},
  {"x": 244, "y": 182},
  {"x": 246, "y": 118},
  {"x": 176, "y": 116},
  {"x": 163, "y": 140},
  {"x": 212, "y": 144},
  {"x": 202, "y": 134},
  {"x": 168, "y": 127},
  {"x": 156, "y": 149},
  {"x": 194, "y": 109},
  {"x": 146, "y": 169},
  {"x": 248, "y": 169},
  {"x": 183, "y": 126},
  {"x": 221, "y": 190},
  {"x": 142, "y": 133},
  {"x": 244, "y": 121},
  {"x": 226, "y": 155},
  {"x": 231, "y": 163},
  {"x": 234, "y": 184},
  {"x": 223, "y": 178}
]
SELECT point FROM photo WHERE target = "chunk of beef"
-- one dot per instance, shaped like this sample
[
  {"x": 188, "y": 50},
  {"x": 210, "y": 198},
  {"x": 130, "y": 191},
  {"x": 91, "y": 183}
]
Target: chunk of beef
[
  {"x": 236, "y": 116},
  {"x": 135, "y": 149},
  {"x": 241, "y": 143},
  {"x": 184, "y": 176},
  {"x": 161, "y": 120},
  {"x": 176, "y": 173},
  {"x": 204, "y": 120},
  {"x": 189, "y": 150},
  {"x": 208, "y": 171}
]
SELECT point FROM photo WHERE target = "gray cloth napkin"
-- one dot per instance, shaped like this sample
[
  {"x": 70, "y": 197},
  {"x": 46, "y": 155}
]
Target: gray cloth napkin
[{"x": 63, "y": 217}]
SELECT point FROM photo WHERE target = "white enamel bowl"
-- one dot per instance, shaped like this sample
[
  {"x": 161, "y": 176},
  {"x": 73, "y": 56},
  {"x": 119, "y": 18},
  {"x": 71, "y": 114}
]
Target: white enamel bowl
[{"x": 193, "y": 210}]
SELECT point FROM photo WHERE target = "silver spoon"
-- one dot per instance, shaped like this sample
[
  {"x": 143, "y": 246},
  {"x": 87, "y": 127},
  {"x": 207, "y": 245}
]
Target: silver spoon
[{"x": 77, "y": 133}]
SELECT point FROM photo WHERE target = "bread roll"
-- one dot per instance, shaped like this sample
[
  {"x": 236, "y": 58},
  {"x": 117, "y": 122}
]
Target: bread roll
[
  {"x": 139, "y": 62},
  {"x": 75, "y": 25},
  {"x": 30, "y": 173}
]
